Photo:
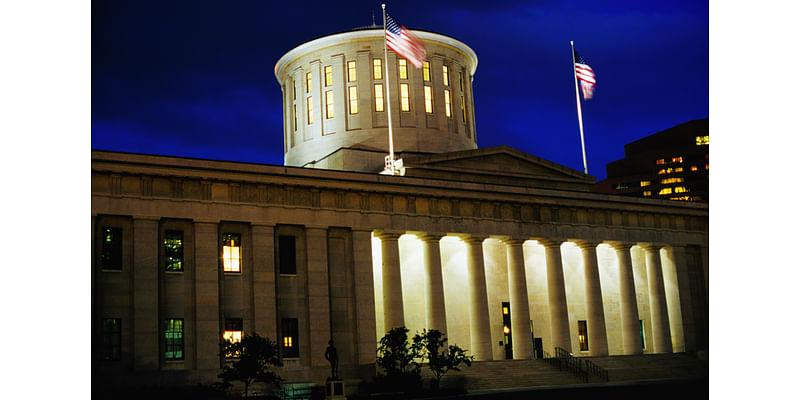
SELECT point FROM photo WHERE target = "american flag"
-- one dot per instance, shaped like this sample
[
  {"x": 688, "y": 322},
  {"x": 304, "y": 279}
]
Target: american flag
[
  {"x": 585, "y": 74},
  {"x": 404, "y": 43}
]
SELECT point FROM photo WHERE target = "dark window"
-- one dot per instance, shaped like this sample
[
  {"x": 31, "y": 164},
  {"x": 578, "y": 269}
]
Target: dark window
[
  {"x": 290, "y": 346},
  {"x": 173, "y": 250},
  {"x": 286, "y": 255},
  {"x": 583, "y": 335},
  {"x": 233, "y": 333},
  {"x": 111, "y": 251},
  {"x": 173, "y": 338},
  {"x": 641, "y": 333},
  {"x": 112, "y": 339}
]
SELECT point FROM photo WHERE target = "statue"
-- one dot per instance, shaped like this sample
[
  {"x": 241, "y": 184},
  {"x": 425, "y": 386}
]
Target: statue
[{"x": 333, "y": 358}]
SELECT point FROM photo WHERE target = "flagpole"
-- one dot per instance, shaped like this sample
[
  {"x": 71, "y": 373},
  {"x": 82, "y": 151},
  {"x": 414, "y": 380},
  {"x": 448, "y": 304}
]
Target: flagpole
[
  {"x": 388, "y": 97},
  {"x": 578, "y": 101}
]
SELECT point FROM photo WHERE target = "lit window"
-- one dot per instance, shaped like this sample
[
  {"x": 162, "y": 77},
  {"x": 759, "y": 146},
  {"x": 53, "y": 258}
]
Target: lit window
[
  {"x": 660, "y": 161},
  {"x": 583, "y": 335},
  {"x": 329, "y": 104},
  {"x": 620, "y": 186},
  {"x": 351, "y": 71},
  {"x": 644, "y": 183},
  {"x": 402, "y": 68},
  {"x": 353, "y": 93},
  {"x": 461, "y": 80},
  {"x": 693, "y": 168},
  {"x": 233, "y": 333},
  {"x": 684, "y": 198},
  {"x": 426, "y": 71},
  {"x": 681, "y": 189},
  {"x": 463, "y": 110},
  {"x": 378, "y": 97},
  {"x": 290, "y": 346},
  {"x": 294, "y": 113},
  {"x": 173, "y": 338},
  {"x": 112, "y": 339},
  {"x": 665, "y": 191},
  {"x": 111, "y": 250},
  {"x": 173, "y": 250},
  {"x": 310, "y": 110},
  {"x": 662, "y": 171},
  {"x": 377, "y": 69},
  {"x": 287, "y": 258},
  {"x": 706, "y": 167},
  {"x": 671, "y": 180},
  {"x": 404, "y": 103},
  {"x": 447, "y": 103},
  {"x": 669, "y": 170},
  {"x": 679, "y": 169},
  {"x": 701, "y": 140},
  {"x": 328, "y": 75},
  {"x": 446, "y": 75},
  {"x": 294, "y": 90},
  {"x": 308, "y": 82},
  {"x": 428, "y": 99},
  {"x": 677, "y": 159},
  {"x": 231, "y": 252},
  {"x": 647, "y": 193}
]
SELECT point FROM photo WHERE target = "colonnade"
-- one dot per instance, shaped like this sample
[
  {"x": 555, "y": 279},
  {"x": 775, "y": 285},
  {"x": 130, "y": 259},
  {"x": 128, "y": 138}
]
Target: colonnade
[{"x": 560, "y": 333}]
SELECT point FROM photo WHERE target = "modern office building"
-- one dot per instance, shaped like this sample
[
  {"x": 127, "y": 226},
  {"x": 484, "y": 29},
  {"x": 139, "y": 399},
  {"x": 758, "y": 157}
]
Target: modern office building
[
  {"x": 671, "y": 164},
  {"x": 507, "y": 253}
]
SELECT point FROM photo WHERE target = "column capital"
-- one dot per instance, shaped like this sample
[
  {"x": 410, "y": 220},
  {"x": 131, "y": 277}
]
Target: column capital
[
  {"x": 386, "y": 235},
  {"x": 430, "y": 236},
  {"x": 513, "y": 241},
  {"x": 586, "y": 244},
  {"x": 651, "y": 246},
  {"x": 620, "y": 245},
  {"x": 550, "y": 242},
  {"x": 471, "y": 239}
]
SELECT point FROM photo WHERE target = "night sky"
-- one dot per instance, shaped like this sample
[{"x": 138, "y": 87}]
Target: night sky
[{"x": 196, "y": 78}]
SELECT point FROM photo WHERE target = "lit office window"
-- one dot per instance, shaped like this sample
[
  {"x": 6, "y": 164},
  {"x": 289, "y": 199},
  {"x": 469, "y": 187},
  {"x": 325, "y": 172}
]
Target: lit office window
[
  {"x": 402, "y": 68},
  {"x": 404, "y": 103},
  {"x": 428, "y": 99},
  {"x": 583, "y": 335},
  {"x": 173, "y": 338},
  {"x": 677, "y": 159},
  {"x": 111, "y": 248},
  {"x": 671, "y": 180},
  {"x": 294, "y": 116},
  {"x": 662, "y": 171},
  {"x": 446, "y": 75},
  {"x": 660, "y": 161},
  {"x": 693, "y": 168},
  {"x": 173, "y": 251},
  {"x": 647, "y": 193},
  {"x": 644, "y": 183},
  {"x": 679, "y": 169},
  {"x": 447, "y": 103},
  {"x": 701, "y": 140},
  {"x": 706, "y": 167},
  {"x": 112, "y": 339},
  {"x": 351, "y": 71},
  {"x": 681, "y": 189},
  {"x": 310, "y": 110},
  {"x": 683, "y": 198},
  {"x": 378, "y": 97},
  {"x": 328, "y": 75},
  {"x": 233, "y": 333},
  {"x": 426, "y": 71},
  {"x": 231, "y": 252},
  {"x": 290, "y": 346},
  {"x": 665, "y": 191},
  {"x": 353, "y": 94},
  {"x": 308, "y": 82},
  {"x": 377, "y": 70},
  {"x": 463, "y": 110},
  {"x": 329, "y": 104}
]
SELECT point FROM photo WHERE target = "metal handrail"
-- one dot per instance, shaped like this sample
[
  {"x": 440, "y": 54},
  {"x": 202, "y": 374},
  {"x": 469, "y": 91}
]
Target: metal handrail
[{"x": 564, "y": 360}]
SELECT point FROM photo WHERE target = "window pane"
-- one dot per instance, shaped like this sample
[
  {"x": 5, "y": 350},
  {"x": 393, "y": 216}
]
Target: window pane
[
  {"x": 447, "y": 103},
  {"x": 111, "y": 249},
  {"x": 426, "y": 71},
  {"x": 173, "y": 338},
  {"x": 287, "y": 255},
  {"x": 290, "y": 346},
  {"x": 428, "y": 100},
  {"x": 112, "y": 339},
  {"x": 463, "y": 110},
  {"x": 310, "y": 109},
  {"x": 233, "y": 333},
  {"x": 446, "y": 75},
  {"x": 377, "y": 70},
  {"x": 353, "y": 93},
  {"x": 308, "y": 82},
  {"x": 328, "y": 75},
  {"x": 402, "y": 68},
  {"x": 231, "y": 252},
  {"x": 329, "y": 104},
  {"x": 404, "y": 103},
  {"x": 378, "y": 97},
  {"x": 351, "y": 71},
  {"x": 173, "y": 250}
]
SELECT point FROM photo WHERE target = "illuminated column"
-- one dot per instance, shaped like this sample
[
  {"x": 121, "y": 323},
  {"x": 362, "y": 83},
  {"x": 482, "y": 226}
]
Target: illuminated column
[
  {"x": 207, "y": 311},
  {"x": 263, "y": 237},
  {"x": 556, "y": 295},
  {"x": 518, "y": 293},
  {"x": 629, "y": 312},
  {"x": 435, "y": 317},
  {"x": 145, "y": 293},
  {"x": 662, "y": 342},
  {"x": 479, "y": 326},
  {"x": 598, "y": 340},
  {"x": 318, "y": 299},
  {"x": 365, "y": 296},
  {"x": 392, "y": 287}
]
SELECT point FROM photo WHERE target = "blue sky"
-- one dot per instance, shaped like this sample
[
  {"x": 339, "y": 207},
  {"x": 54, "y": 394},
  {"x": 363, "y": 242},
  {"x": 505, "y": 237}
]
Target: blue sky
[{"x": 195, "y": 78}]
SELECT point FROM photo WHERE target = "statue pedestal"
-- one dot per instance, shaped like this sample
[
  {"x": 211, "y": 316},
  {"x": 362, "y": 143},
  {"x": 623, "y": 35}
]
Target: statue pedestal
[{"x": 334, "y": 389}]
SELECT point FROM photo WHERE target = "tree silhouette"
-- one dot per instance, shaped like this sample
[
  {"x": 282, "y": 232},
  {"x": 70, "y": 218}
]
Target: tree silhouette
[
  {"x": 251, "y": 359},
  {"x": 398, "y": 358},
  {"x": 440, "y": 361}
]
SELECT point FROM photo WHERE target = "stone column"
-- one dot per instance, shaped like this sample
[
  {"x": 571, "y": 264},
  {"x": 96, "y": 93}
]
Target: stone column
[
  {"x": 629, "y": 312},
  {"x": 392, "y": 284},
  {"x": 435, "y": 317},
  {"x": 365, "y": 300},
  {"x": 207, "y": 332},
  {"x": 264, "y": 307},
  {"x": 319, "y": 312},
  {"x": 518, "y": 294},
  {"x": 596, "y": 320},
  {"x": 556, "y": 295},
  {"x": 479, "y": 325},
  {"x": 662, "y": 342},
  {"x": 146, "y": 337}
]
